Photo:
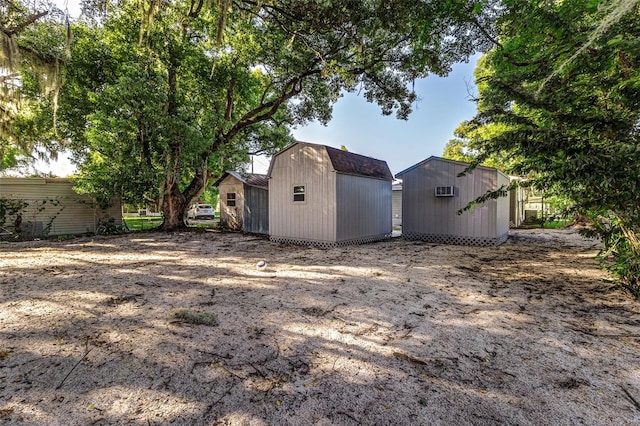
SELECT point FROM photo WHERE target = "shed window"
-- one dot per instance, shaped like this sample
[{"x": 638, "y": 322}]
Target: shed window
[
  {"x": 231, "y": 199},
  {"x": 445, "y": 191},
  {"x": 298, "y": 194}
]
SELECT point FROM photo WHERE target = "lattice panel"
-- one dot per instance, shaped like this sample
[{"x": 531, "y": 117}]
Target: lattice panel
[
  {"x": 330, "y": 244},
  {"x": 456, "y": 239}
]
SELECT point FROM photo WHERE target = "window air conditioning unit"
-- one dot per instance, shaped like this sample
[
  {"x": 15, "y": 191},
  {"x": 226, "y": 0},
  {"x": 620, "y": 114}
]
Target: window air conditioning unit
[{"x": 445, "y": 191}]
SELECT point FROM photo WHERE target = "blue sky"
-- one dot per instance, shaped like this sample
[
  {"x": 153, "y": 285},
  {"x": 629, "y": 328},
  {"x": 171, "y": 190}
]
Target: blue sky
[{"x": 359, "y": 126}]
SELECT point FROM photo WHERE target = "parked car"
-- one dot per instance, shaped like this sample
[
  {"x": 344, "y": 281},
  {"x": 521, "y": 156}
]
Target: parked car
[{"x": 201, "y": 211}]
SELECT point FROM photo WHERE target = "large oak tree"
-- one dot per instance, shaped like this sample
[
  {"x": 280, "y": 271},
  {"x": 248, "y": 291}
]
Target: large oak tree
[{"x": 163, "y": 95}]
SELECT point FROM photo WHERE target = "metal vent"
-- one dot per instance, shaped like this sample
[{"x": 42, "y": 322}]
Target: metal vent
[{"x": 445, "y": 191}]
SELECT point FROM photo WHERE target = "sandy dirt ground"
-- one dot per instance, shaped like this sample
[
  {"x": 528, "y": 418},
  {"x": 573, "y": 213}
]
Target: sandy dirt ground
[{"x": 100, "y": 331}]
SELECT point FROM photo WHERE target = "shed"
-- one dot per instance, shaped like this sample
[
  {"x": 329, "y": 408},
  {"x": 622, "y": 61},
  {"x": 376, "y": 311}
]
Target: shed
[
  {"x": 54, "y": 208},
  {"x": 396, "y": 204},
  {"x": 517, "y": 200},
  {"x": 244, "y": 202},
  {"x": 323, "y": 196},
  {"x": 433, "y": 193}
]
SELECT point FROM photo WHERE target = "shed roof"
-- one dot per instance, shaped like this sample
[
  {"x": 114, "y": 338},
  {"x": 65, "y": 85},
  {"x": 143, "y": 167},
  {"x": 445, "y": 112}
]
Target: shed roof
[
  {"x": 359, "y": 165},
  {"x": 251, "y": 179},
  {"x": 446, "y": 160},
  {"x": 352, "y": 164}
]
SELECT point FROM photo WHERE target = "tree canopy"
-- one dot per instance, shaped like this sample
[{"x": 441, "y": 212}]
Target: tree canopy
[
  {"x": 32, "y": 48},
  {"x": 158, "y": 97},
  {"x": 558, "y": 96}
]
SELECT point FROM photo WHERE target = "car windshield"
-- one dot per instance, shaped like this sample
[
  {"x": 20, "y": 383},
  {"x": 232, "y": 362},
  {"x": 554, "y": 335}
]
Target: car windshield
[{"x": 204, "y": 206}]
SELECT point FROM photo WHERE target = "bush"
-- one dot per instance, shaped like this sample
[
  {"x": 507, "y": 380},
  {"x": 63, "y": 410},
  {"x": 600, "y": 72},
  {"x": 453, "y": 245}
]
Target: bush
[{"x": 621, "y": 252}]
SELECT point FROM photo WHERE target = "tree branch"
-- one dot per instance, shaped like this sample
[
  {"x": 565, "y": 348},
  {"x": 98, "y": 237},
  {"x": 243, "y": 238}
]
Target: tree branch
[{"x": 28, "y": 21}]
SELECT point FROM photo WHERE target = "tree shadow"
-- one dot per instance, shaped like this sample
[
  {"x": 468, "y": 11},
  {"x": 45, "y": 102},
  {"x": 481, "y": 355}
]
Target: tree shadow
[{"x": 387, "y": 333}]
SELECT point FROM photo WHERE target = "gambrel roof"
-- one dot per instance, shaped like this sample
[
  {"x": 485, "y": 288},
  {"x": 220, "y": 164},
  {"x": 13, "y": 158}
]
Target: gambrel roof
[{"x": 351, "y": 164}]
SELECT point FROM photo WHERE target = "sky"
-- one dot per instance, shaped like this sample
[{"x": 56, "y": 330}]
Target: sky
[
  {"x": 360, "y": 126},
  {"x": 443, "y": 103}
]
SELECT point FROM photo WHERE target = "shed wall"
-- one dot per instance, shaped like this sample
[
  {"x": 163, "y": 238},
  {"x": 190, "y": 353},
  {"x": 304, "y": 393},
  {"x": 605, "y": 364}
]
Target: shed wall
[
  {"x": 426, "y": 216},
  {"x": 516, "y": 206},
  {"x": 315, "y": 218},
  {"x": 363, "y": 208},
  {"x": 71, "y": 213},
  {"x": 502, "y": 208},
  {"x": 256, "y": 210},
  {"x": 231, "y": 217},
  {"x": 396, "y": 207}
]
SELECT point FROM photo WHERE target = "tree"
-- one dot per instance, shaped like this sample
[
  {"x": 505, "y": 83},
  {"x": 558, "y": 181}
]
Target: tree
[
  {"x": 32, "y": 46},
  {"x": 562, "y": 87},
  {"x": 162, "y": 96},
  {"x": 464, "y": 147}
]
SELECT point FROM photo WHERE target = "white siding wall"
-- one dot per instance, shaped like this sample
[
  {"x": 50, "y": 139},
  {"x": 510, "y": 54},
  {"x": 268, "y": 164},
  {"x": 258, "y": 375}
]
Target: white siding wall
[
  {"x": 396, "y": 208},
  {"x": 71, "y": 213},
  {"x": 231, "y": 217},
  {"x": 503, "y": 207},
  {"x": 363, "y": 207},
  {"x": 315, "y": 219}
]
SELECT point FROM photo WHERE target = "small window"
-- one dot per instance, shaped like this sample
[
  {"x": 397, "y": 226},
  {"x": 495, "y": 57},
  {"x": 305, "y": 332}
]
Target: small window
[
  {"x": 298, "y": 194},
  {"x": 231, "y": 199},
  {"x": 445, "y": 191}
]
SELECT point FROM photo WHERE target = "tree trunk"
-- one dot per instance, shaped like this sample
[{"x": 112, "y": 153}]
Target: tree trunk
[
  {"x": 175, "y": 203},
  {"x": 174, "y": 206}
]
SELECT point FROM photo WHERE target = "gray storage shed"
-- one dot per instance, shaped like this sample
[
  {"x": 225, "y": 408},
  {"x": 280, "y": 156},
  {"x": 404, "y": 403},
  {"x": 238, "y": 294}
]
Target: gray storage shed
[
  {"x": 244, "y": 202},
  {"x": 432, "y": 194},
  {"x": 323, "y": 196}
]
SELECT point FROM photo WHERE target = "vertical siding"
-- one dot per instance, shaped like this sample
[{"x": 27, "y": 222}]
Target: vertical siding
[
  {"x": 396, "y": 207},
  {"x": 256, "y": 210},
  {"x": 363, "y": 207},
  {"x": 423, "y": 212},
  {"x": 503, "y": 207},
  {"x": 68, "y": 213},
  {"x": 315, "y": 219},
  {"x": 230, "y": 216}
]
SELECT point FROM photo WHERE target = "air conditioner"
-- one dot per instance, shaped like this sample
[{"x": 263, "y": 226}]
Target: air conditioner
[{"x": 445, "y": 191}]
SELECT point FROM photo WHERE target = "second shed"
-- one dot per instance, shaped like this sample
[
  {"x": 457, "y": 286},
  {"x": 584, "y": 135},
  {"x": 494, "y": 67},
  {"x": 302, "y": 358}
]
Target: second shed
[
  {"x": 433, "y": 193},
  {"x": 244, "y": 202}
]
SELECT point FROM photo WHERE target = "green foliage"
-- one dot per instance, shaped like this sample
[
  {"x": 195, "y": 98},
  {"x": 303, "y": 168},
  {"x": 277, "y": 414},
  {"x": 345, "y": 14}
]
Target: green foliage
[
  {"x": 558, "y": 96},
  {"x": 109, "y": 226},
  {"x": 41, "y": 205},
  {"x": 32, "y": 45},
  {"x": 143, "y": 223},
  {"x": 621, "y": 253},
  {"x": 10, "y": 207},
  {"x": 159, "y": 97}
]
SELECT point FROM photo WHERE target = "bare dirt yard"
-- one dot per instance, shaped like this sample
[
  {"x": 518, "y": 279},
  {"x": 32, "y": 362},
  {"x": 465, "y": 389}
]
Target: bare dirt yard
[{"x": 182, "y": 328}]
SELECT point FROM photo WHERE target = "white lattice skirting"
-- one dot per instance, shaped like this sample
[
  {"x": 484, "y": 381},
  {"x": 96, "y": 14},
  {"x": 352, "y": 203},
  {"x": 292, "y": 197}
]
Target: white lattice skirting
[
  {"x": 456, "y": 239},
  {"x": 330, "y": 244}
]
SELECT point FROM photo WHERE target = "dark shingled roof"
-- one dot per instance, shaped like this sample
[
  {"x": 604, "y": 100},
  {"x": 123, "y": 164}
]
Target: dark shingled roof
[
  {"x": 359, "y": 165},
  {"x": 251, "y": 179},
  {"x": 254, "y": 179}
]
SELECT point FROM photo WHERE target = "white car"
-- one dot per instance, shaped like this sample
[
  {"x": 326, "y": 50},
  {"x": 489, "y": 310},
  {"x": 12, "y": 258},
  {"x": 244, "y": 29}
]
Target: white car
[{"x": 201, "y": 211}]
